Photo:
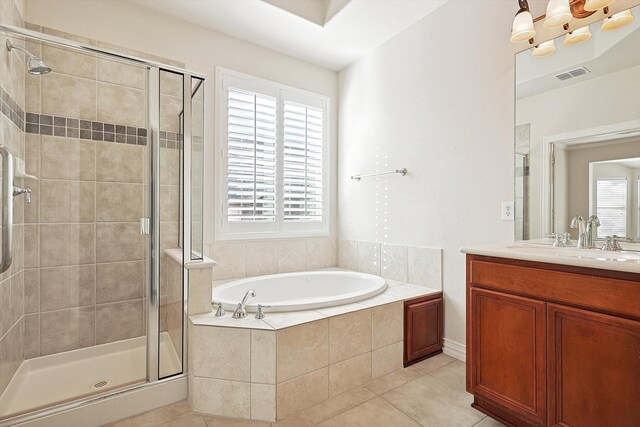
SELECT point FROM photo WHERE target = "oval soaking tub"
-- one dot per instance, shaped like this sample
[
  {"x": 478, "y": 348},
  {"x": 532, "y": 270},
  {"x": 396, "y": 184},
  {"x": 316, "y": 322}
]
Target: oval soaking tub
[{"x": 300, "y": 291}]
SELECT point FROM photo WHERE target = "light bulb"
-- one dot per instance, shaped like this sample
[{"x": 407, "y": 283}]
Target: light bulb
[
  {"x": 578, "y": 36},
  {"x": 617, "y": 20},
  {"x": 522, "y": 29},
  {"x": 593, "y": 5},
  {"x": 558, "y": 14},
  {"x": 544, "y": 49}
]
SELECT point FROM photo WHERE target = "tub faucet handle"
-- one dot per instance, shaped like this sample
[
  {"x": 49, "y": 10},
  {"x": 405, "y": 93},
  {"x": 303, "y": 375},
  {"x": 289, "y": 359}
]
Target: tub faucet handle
[
  {"x": 240, "y": 312},
  {"x": 260, "y": 314},
  {"x": 219, "y": 310}
]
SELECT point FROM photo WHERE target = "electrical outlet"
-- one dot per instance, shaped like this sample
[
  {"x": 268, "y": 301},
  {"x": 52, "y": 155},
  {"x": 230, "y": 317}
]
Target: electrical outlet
[{"x": 507, "y": 211}]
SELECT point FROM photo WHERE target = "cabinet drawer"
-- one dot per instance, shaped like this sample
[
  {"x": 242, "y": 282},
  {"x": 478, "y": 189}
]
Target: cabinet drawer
[{"x": 608, "y": 294}]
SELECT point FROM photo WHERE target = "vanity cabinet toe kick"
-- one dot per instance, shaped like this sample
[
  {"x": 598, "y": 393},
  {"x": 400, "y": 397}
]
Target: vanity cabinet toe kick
[{"x": 553, "y": 345}]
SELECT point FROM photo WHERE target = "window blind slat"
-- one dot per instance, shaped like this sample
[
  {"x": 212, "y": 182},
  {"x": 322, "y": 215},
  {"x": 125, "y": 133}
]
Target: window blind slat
[
  {"x": 302, "y": 171},
  {"x": 611, "y": 206},
  {"x": 254, "y": 123},
  {"x": 251, "y": 157}
]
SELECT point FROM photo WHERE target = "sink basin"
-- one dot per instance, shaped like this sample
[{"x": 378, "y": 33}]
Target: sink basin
[{"x": 621, "y": 256}]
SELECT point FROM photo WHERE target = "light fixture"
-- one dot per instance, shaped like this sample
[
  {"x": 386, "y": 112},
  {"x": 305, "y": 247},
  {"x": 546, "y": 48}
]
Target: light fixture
[
  {"x": 593, "y": 5},
  {"x": 522, "y": 29},
  {"x": 558, "y": 14},
  {"x": 617, "y": 20},
  {"x": 578, "y": 36},
  {"x": 544, "y": 49}
]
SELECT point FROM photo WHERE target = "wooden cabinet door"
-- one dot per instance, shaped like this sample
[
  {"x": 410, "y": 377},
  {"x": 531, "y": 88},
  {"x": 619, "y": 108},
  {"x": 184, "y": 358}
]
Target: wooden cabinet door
[
  {"x": 508, "y": 354},
  {"x": 423, "y": 329},
  {"x": 594, "y": 369}
]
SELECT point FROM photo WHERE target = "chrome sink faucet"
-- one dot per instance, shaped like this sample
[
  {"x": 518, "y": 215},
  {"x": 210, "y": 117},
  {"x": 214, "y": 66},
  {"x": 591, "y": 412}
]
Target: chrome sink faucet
[
  {"x": 592, "y": 224},
  {"x": 240, "y": 312},
  {"x": 579, "y": 223}
]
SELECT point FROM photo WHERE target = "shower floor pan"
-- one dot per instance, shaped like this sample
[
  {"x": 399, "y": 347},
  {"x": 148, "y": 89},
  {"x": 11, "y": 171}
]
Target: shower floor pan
[{"x": 49, "y": 380}]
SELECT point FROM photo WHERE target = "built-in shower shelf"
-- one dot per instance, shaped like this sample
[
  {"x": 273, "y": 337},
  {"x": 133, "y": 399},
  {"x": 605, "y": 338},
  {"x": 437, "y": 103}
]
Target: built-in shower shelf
[{"x": 20, "y": 171}]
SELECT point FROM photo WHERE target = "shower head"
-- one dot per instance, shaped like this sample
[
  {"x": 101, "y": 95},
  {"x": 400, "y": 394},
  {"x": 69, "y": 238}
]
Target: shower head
[{"x": 35, "y": 65}]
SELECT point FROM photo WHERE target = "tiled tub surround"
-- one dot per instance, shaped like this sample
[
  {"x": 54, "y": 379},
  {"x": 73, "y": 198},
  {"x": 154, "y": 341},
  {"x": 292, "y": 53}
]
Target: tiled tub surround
[
  {"x": 279, "y": 366},
  {"x": 238, "y": 260},
  {"x": 12, "y": 106},
  {"x": 171, "y": 303},
  {"x": 416, "y": 265}
]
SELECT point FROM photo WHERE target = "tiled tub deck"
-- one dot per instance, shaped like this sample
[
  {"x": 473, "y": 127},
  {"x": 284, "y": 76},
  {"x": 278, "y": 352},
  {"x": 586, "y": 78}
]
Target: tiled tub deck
[{"x": 273, "y": 368}]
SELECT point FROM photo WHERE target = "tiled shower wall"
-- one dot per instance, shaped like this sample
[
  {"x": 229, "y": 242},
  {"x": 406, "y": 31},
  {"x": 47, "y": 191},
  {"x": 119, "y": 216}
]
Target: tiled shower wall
[
  {"x": 12, "y": 77},
  {"x": 86, "y": 141}
]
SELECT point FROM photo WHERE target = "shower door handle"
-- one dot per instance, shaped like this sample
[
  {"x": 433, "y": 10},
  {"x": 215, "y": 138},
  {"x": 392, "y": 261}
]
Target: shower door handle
[{"x": 7, "y": 207}]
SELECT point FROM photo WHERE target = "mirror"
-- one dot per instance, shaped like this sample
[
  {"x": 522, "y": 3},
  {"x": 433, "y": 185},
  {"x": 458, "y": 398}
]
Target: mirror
[{"x": 577, "y": 135}]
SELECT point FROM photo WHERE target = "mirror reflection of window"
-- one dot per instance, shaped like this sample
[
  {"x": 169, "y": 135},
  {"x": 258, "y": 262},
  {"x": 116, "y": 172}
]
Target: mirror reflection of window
[{"x": 611, "y": 206}]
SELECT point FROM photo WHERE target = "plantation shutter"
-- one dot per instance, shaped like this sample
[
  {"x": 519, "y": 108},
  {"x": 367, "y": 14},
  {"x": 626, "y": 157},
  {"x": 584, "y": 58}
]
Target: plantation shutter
[
  {"x": 251, "y": 157},
  {"x": 611, "y": 203},
  {"x": 303, "y": 134}
]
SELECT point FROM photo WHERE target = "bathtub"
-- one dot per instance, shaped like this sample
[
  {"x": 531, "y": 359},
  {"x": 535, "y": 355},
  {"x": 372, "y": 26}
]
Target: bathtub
[{"x": 300, "y": 291}]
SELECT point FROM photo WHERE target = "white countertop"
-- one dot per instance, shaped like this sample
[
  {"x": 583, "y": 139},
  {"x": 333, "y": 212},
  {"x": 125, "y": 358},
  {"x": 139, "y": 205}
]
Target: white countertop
[{"x": 628, "y": 261}]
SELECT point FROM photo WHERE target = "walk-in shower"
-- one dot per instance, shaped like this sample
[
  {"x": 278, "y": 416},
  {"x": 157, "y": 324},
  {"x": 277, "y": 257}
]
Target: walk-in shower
[{"x": 108, "y": 148}]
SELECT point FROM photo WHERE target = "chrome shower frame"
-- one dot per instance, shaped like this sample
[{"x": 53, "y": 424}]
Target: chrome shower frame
[{"x": 153, "y": 262}]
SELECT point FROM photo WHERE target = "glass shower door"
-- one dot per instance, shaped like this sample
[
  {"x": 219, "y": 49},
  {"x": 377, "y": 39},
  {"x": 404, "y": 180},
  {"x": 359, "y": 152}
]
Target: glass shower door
[
  {"x": 171, "y": 265},
  {"x": 79, "y": 253}
]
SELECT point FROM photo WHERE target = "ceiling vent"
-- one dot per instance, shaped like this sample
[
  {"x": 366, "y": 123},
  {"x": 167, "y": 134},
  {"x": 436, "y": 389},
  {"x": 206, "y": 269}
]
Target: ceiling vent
[{"x": 573, "y": 73}]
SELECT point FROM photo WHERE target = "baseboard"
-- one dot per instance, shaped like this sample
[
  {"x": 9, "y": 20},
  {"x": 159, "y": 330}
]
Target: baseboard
[{"x": 455, "y": 349}]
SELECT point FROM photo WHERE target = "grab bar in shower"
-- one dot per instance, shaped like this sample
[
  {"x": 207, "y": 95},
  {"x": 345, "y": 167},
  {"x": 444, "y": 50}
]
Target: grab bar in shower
[
  {"x": 7, "y": 207},
  {"x": 401, "y": 171}
]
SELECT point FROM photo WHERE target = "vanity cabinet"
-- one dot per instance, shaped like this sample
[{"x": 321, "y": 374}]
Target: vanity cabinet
[
  {"x": 423, "y": 326},
  {"x": 553, "y": 345},
  {"x": 509, "y": 352},
  {"x": 594, "y": 358}
]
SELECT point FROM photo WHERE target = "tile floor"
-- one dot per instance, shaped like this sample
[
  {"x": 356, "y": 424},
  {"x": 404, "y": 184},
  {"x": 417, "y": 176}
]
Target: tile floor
[{"x": 429, "y": 393}]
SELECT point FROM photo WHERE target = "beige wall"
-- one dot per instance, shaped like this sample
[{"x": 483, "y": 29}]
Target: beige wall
[
  {"x": 577, "y": 198},
  {"x": 12, "y": 76},
  {"x": 438, "y": 100},
  {"x": 125, "y": 24}
]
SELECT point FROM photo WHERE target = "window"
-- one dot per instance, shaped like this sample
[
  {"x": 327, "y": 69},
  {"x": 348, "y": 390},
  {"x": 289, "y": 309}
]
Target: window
[
  {"x": 611, "y": 206},
  {"x": 272, "y": 159}
]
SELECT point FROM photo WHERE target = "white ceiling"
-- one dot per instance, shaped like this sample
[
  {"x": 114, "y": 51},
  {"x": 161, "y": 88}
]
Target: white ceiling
[
  {"x": 605, "y": 53},
  {"x": 330, "y": 33}
]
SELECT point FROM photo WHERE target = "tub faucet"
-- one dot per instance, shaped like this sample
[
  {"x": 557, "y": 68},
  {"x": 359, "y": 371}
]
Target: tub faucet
[
  {"x": 579, "y": 223},
  {"x": 240, "y": 312},
  {"x": 592, "y": 224}
]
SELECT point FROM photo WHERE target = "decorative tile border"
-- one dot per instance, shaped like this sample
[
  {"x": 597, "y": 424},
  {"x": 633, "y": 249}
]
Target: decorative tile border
[
  {"x": 84, "y": 129},
  {"x": 11, "y": 109},
  {"x": 43, "y": 124}
]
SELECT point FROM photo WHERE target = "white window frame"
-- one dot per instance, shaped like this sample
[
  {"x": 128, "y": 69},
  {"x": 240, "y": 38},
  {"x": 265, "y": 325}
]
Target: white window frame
[{"x": 225, "y": 230}]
